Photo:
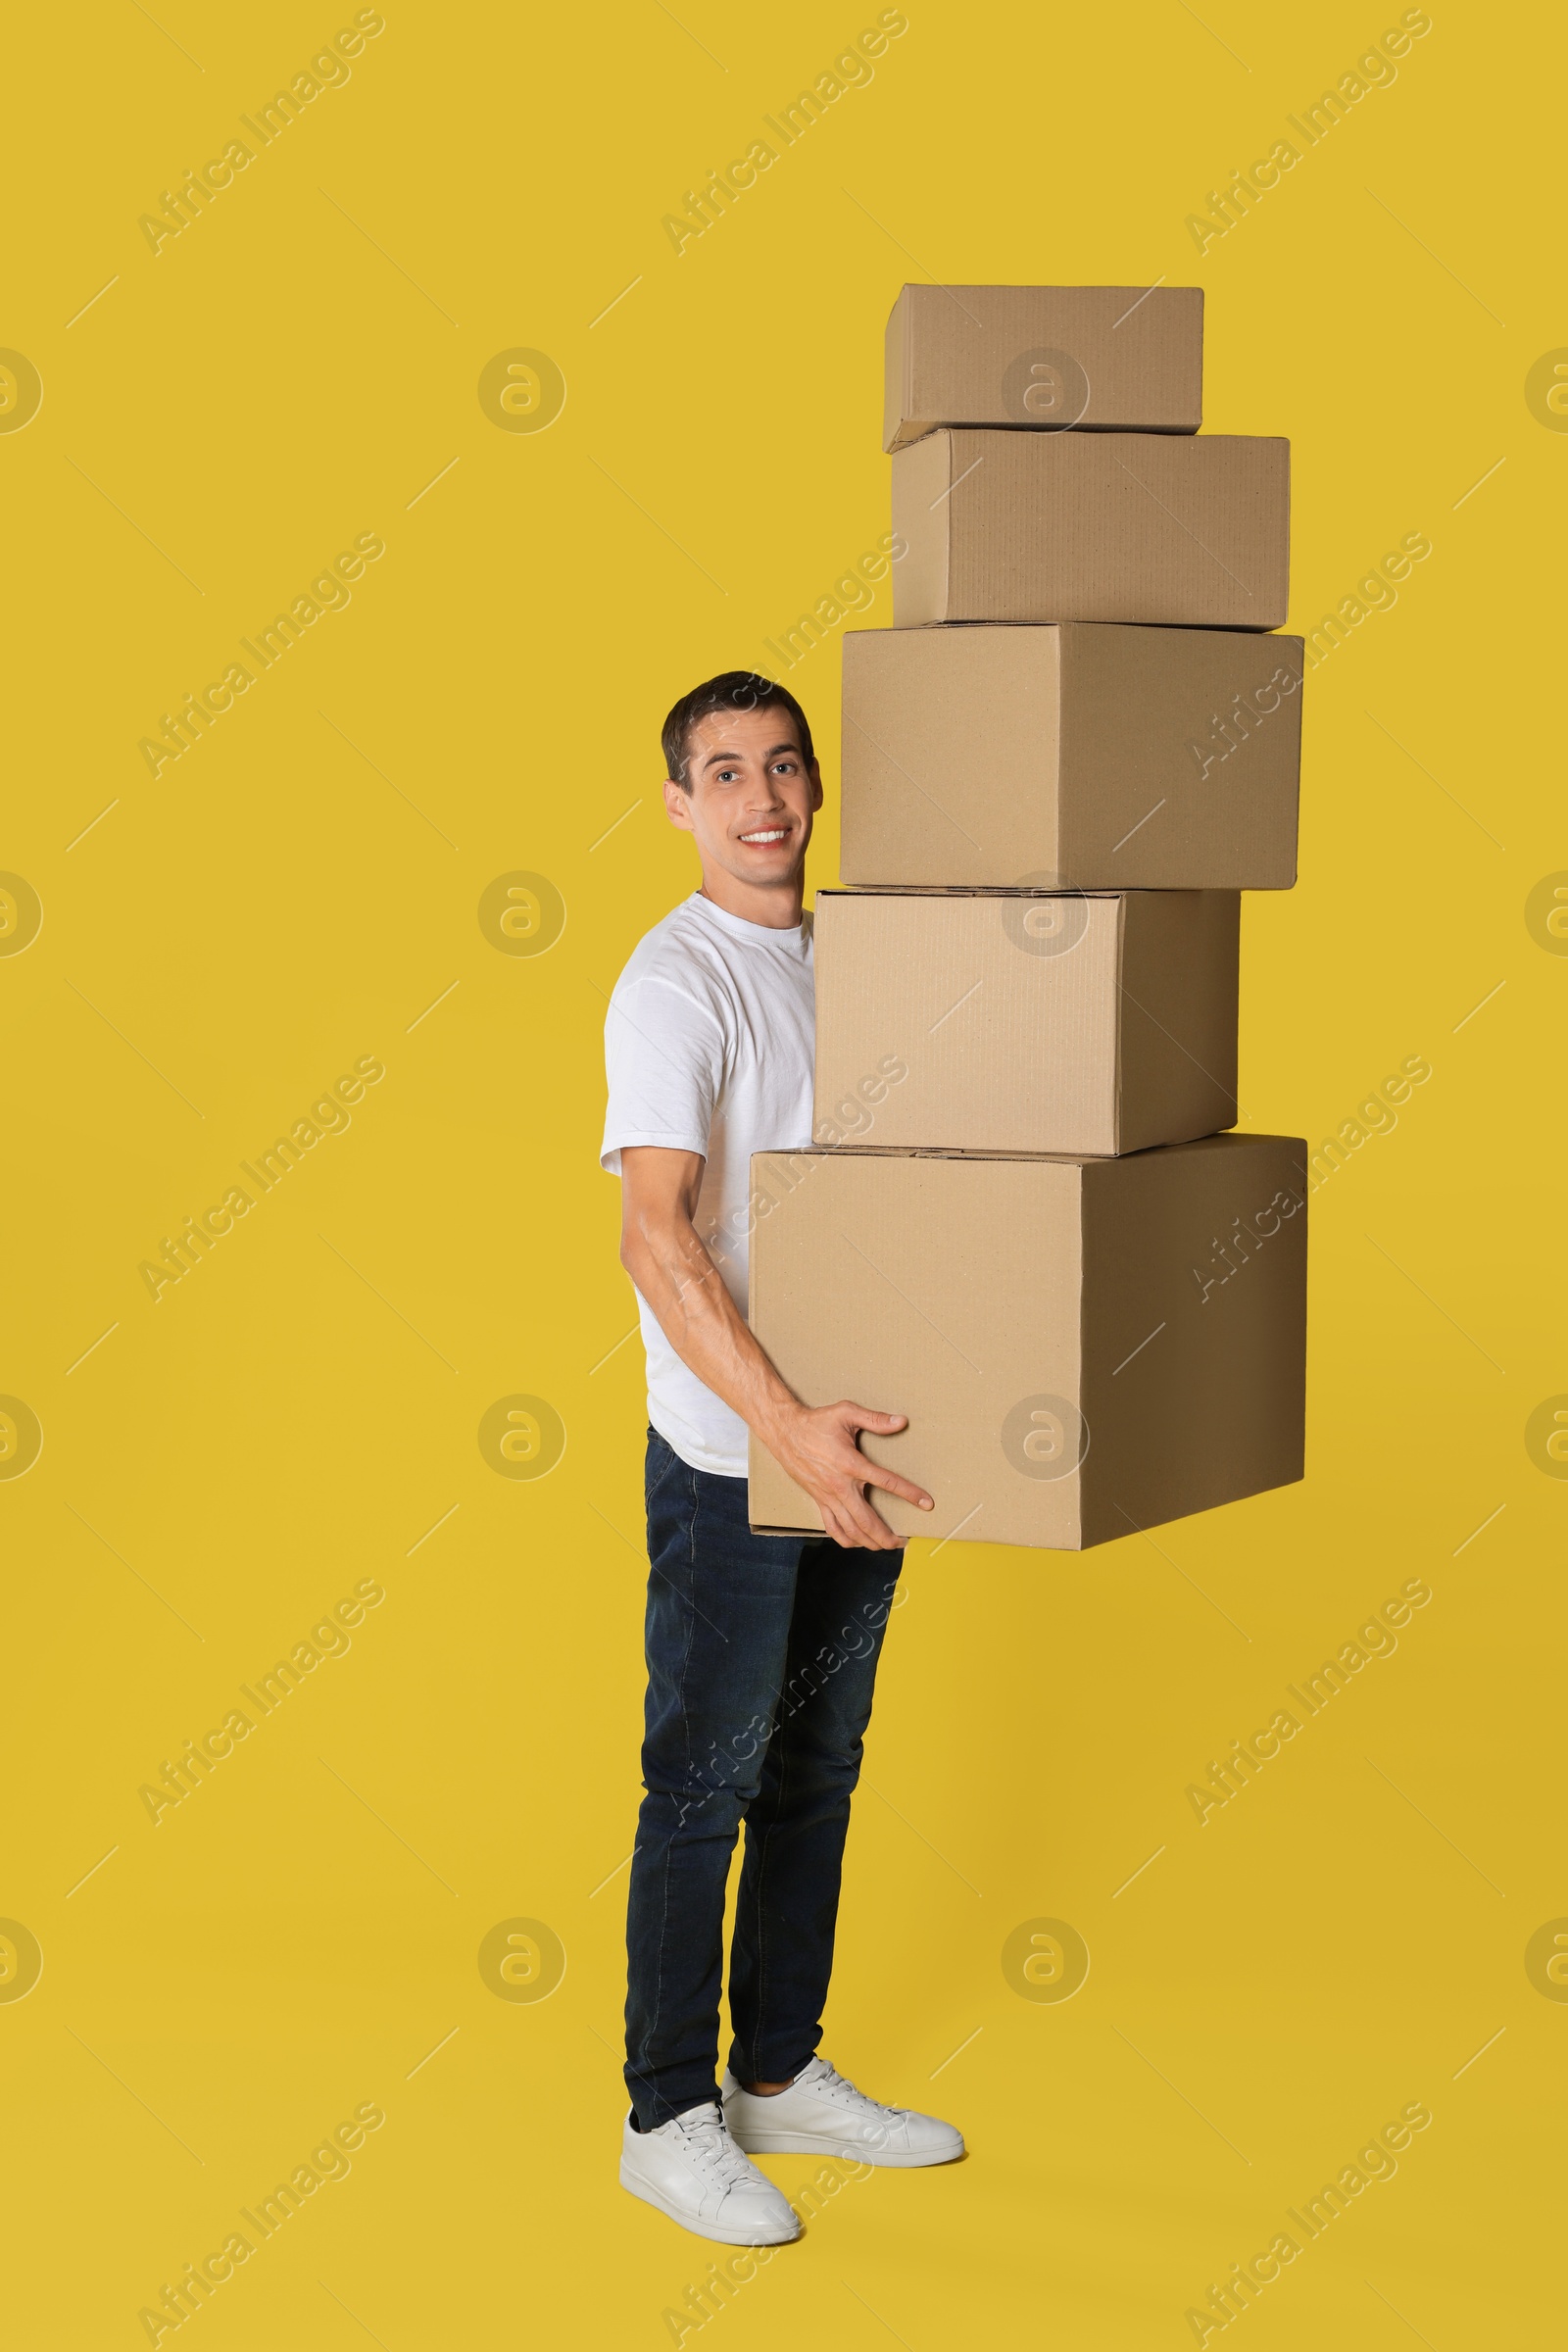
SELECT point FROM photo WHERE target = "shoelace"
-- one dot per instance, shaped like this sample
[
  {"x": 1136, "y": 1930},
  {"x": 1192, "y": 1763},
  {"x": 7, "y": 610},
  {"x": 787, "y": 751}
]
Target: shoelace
[
  {"x": 838, "y": 2087},
  {"x": 707, "y": 2134}
]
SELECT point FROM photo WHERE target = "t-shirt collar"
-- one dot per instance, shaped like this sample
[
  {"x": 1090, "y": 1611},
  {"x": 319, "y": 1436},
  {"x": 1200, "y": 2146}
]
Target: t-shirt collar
[{"x": 737, "y": 927}]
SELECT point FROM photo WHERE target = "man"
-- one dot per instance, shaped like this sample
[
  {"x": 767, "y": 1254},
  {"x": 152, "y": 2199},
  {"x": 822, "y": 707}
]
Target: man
[{"x": 761, "y": 1649}]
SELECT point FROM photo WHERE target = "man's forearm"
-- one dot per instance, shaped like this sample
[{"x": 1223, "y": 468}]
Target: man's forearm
[
  {"x": 818, "y": 1446},
  {"x": 703, "y": 1324}
]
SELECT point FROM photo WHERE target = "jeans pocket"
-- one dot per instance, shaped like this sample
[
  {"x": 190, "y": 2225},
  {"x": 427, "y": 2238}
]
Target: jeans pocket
[{"x": 662, "y": 1464}]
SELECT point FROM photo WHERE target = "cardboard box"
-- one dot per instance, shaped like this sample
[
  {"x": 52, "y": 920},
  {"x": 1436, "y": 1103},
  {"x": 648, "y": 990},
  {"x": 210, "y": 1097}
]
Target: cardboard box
[
  {"x": 1105, "y": 359},
  {"x": 1096, "y": 758},
  {"x": 990, "y": 1024},
  {"x": 1083, "y": 1347},
  {"x": 1192, "y": 533}
]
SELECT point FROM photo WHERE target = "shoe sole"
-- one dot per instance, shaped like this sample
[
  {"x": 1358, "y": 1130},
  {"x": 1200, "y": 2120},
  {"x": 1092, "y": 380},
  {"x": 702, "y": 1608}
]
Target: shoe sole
[
  {"x": 815, "y": 2143},
  {"x": 714, "y": 2231}
]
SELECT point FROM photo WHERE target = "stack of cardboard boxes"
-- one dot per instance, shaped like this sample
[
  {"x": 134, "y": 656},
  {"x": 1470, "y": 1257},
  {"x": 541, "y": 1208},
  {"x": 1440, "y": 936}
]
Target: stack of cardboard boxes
[{"x": 1022, "y": 1224}]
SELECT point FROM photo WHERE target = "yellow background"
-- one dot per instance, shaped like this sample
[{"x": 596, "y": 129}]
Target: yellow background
[{"x": 292, "y": 1941}]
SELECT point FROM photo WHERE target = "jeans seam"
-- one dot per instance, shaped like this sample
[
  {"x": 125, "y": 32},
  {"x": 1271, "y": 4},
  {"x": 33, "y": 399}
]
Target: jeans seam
[
  {"x": 779, "y": 1813},
  {"x": 685, "y": 1719}
]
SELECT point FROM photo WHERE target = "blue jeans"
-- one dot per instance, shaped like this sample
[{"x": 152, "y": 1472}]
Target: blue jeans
[{"x": 762, "y": 1657}]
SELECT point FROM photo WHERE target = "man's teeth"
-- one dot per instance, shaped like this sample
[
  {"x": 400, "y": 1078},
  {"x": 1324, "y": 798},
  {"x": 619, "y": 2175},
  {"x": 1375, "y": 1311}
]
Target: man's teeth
[{"x": 777, "y": 834}]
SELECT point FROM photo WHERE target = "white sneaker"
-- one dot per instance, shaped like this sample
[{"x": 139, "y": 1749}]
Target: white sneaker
[
  {"x": 692, "y": 2170},
  {"x": 822, "y": 2115}
]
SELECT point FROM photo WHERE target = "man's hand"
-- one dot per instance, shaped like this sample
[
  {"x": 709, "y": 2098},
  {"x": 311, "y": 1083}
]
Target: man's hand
[
  {"x": 817, "y": 1448},
  {"x": 662, "y": 1252}
]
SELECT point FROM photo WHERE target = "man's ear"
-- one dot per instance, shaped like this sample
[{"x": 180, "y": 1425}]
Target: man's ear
[
  {"x": 677, "y": 807},
  {"x": 816, "y": 787}
]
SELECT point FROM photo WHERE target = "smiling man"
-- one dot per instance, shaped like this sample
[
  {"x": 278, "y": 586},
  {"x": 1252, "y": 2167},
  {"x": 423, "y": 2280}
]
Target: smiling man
[{"x": 761, "y": 1649}]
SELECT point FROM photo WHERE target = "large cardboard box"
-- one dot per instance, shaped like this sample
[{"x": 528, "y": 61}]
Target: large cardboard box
[
  {"x": 1098, "y": 757},
  {"x": 1189, "y": 532},
  {"x": 1083, "y": 1347},
  {"x": 992, "y": 1024},
  {"x": 1110, "y": 358}
]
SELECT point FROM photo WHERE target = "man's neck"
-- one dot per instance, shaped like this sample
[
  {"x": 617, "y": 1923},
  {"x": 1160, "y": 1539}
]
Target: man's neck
[{"x": 776, "y": 907}]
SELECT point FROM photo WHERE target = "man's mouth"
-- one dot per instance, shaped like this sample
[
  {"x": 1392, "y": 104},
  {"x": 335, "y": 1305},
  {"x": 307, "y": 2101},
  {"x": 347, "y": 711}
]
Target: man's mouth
[{"x": 762, "y": 840}]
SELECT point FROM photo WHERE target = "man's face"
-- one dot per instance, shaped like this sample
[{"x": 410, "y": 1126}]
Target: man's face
[{"x": 749, "y": 796}]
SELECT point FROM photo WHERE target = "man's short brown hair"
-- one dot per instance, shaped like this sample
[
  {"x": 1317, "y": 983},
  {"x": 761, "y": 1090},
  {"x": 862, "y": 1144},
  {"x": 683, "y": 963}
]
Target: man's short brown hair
[{"x": 732, "y": 690}]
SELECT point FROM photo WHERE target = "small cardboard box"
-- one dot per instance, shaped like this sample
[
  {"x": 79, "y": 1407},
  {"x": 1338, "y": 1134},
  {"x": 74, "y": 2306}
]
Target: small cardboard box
[
  {"x": 1104, "y": 359},
  {"x": 1099, "y": 759},
  {"x": 1186, "y": 532},
  {"x": 998, "y": 1023},
  {"x": 1084, "y": 1348}
]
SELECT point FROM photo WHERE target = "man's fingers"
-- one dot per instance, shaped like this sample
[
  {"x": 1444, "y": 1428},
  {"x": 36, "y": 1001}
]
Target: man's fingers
[
  {"x": 857, "y": 1520},
  {"x": 840, "y": 1532},
  {"x": 891, "y": 1484},
  {"x": 859, "y": 1416},
  {"x": 836, "y": 1525},
  {"x": 872, "y": 1529},
  {"x": 852, "y": 1522}
]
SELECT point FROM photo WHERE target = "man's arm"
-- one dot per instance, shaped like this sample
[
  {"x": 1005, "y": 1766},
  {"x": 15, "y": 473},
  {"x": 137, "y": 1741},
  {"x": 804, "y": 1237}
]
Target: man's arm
[{"x": 663, "y": 1253}]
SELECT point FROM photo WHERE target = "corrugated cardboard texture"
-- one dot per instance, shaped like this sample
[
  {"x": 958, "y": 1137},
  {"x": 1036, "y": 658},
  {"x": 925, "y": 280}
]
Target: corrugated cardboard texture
[
  {"x": 932, "y": 1287},
  {"x": 1108, "y": 358},
  {"x": 922, "y": 485},
  {"x": 1192, "y": 739},
  {"x": 1081, "y": 1348},
  {"x": 1186, "y": 532},
  {"x": 1201, "y": 1252},
  {"x": 1180, "y": 976},
  {"x": 1103, "y": 758},
  {"x": 998, "y": 1024},
  {"x": 950, "y": 756}
]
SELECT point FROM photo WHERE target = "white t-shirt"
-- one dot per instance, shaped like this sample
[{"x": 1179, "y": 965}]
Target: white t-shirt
[{"x": 707, "y": 1047}]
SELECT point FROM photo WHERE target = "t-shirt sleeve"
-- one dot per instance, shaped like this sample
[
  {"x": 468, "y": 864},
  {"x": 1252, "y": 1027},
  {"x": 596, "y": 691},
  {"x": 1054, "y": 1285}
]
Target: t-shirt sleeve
[{"x": 665, "y": 1063}]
